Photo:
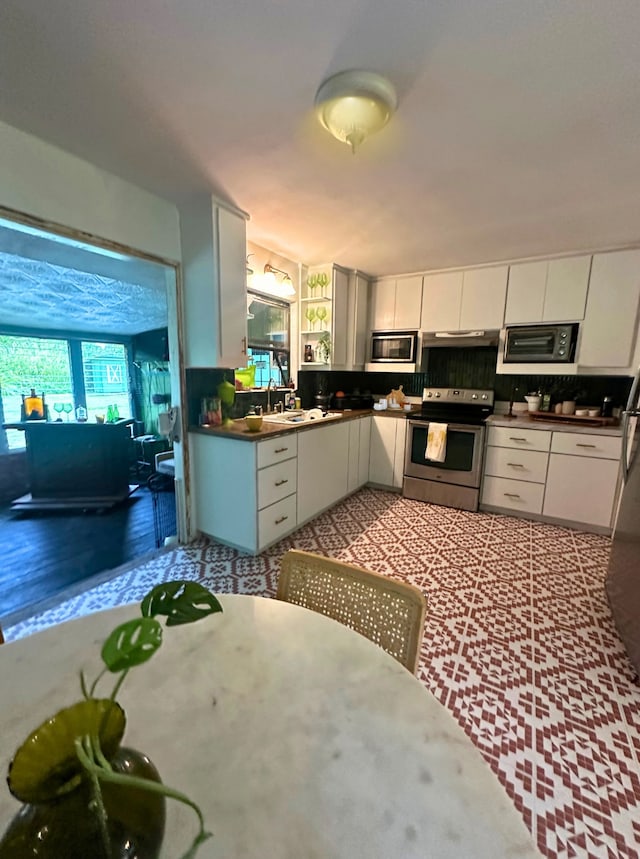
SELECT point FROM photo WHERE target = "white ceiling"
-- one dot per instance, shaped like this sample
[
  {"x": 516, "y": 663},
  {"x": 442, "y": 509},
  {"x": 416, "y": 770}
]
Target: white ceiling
[{"x": 517, "y": 133}]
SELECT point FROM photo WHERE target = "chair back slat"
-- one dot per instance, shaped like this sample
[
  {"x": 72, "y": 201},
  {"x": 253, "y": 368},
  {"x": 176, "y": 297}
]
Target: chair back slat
[{"x": 389, "y": 612}]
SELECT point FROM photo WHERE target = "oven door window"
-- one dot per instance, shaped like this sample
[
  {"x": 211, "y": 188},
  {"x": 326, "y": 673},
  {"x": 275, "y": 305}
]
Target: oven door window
[{"x": 460, "y": 450}]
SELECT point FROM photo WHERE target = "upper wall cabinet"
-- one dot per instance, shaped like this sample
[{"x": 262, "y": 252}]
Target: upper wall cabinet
[
  {"x": 357, "y": 321},
  {"x": 464, "y": 300},
  {"x": 214, "y": 248},
  {"x": 548, "y": 290},
  {"x": 609, "y": 328},
  {"x": 396, "y": 303}
]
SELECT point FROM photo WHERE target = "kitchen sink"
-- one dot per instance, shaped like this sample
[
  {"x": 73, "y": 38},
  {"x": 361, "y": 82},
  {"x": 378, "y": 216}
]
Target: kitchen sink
[{"x": 297, "y": 418}]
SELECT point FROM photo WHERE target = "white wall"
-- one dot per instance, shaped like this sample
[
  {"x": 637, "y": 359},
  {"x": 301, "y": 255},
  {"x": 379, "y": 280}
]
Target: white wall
[{"x": 43, "y": 181}]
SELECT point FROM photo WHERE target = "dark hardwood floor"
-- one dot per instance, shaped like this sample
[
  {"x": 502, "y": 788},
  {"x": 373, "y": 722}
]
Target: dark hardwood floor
[{"x": 45, "y": 554}]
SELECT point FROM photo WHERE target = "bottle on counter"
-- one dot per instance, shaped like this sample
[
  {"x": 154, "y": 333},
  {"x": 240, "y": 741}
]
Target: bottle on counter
[
  {"x": 545, "y": 401},
  {"x": 606, "y": 410}
]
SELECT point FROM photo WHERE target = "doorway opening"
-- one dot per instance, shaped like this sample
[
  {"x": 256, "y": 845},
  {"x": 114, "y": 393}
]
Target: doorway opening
[{"x": 93, "y": 331}]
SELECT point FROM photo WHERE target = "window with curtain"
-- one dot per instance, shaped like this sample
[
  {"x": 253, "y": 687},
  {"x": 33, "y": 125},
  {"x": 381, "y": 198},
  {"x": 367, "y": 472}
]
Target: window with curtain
[{"x": 269, "y": 339}]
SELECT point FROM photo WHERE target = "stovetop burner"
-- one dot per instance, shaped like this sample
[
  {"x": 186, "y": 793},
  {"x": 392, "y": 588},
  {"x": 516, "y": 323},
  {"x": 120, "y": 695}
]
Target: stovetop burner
[{"x": 463, "y": 405}]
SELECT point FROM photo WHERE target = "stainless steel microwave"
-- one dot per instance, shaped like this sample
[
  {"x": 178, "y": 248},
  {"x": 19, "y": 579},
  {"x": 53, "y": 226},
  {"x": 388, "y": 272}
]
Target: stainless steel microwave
[
  {"x": 394, "y": 351},
  {"x": 540, "y": 344}
]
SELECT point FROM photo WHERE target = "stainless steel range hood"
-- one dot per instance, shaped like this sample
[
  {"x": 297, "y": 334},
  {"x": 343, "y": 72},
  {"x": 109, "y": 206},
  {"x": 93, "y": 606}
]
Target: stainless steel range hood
[{"x": 460, "y": 339}]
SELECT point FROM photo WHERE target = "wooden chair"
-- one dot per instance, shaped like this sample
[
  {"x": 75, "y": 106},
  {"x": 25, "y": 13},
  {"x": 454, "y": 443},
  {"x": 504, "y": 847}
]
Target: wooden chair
[{"x": 388, "y": 612}]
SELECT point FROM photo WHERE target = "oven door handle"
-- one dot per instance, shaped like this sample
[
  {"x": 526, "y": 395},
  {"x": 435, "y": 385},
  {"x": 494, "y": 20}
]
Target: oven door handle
[{"x": 474, "y": 428}]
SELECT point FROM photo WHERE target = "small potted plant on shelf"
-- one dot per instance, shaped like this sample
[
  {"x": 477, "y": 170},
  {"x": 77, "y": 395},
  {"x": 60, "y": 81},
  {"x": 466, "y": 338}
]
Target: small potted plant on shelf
[
  {"x": 83, "y": 793},
  {"x": 324, "y": 347}
]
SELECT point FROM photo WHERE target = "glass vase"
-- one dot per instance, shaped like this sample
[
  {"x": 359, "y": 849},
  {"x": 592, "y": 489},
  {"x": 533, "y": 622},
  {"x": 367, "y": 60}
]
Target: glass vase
[{"x": 59, "y": 817}]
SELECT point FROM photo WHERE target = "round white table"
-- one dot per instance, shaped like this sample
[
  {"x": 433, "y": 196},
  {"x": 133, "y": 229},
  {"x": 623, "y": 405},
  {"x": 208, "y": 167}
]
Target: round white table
[{"x": 298, "y": 738}]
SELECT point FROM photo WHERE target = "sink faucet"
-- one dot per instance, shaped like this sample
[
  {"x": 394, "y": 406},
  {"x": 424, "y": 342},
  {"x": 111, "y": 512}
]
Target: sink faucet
[{"x": 269, "y": 395}]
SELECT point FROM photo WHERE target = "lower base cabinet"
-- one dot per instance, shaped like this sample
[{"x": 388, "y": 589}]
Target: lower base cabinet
[
  {"x": 386, "y": 458},
  {"x": 323, "y": 457},
  {"x": 245, "y": 493},
  {"x": 251, "y": 494},
  {"x": 581, "y": 489},
  {"x": 359, "y": 447},
  {"x": 562, "y": 476}
]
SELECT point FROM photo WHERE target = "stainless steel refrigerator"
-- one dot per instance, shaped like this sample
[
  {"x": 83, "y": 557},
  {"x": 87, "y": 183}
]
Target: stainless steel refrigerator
[{"x": 623, "y": 576}]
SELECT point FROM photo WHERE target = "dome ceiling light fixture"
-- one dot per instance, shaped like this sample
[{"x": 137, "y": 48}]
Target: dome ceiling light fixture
[{"x": 355, "y": 104}]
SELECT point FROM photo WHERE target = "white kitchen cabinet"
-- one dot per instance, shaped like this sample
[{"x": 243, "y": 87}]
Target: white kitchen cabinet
[
  {"x": 354, "y": 456},
  {"x": 383, "y": 304},
  {"x": 323, "y": 455},
  {"x": 214, "y": 252},
  {"x": 386, "y": 458},
  {"x": 408, "y": 303},
  {"x": 396, "y": 304},
  {"x": 564, "y": 476},
  {"x": 548, "y": 290},
  {"x": 331, "y": 301},
  {"x": 525, "y": 292},
  {"x": 359, "y": 442},
  {"x": 245, "y": 494},
  {"x": 581, "y": 490},
  {"x": 398, "y": 459},
  {"x": 566, "y": 292},
  {"x": 467, "y": 300},
  {"x": 441, "y": 301},
  {"x": 609, "y": 329},
  {"x": 484, "y": 291},
  {"x": 365, "y": 450},
  {"x": 357, "y": 321},
  {"x": 515, "y": 469}
]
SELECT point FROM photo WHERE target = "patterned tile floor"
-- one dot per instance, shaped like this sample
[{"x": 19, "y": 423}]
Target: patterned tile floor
[{"x": 519, "y": 645}]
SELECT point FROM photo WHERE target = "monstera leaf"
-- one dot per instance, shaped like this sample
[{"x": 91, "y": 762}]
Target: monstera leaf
[{"x": 180, "y": 601}]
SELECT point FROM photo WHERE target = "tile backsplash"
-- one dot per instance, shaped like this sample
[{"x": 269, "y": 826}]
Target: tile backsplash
[
  {"x": 465, "y": 368},
  {"x": 446, "y": 368}
]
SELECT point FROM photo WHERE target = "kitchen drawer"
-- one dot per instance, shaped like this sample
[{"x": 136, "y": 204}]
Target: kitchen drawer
[
  {"x": 582, "y": 444},
  {"x": 523, "y": 439},
  {"x": 276, "y": 521},
  {"x": 528, "y": 465},
  {"x": 276, "y": 482},
  {"x": 277, "y": 449},
  {"x": 516, "y": 495}
]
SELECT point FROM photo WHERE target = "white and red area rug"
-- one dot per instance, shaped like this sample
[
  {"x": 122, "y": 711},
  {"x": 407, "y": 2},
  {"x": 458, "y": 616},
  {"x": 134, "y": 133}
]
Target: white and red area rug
[{"x": 519, "y": 645}]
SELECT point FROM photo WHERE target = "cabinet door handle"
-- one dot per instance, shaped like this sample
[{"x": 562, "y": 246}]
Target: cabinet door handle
[
  {"x": 280, "y": 520},
  {"x": 512, "y": 495},
  {"x": 280, "y": 449},
  {"x": 515, "y": 464},
  {"x": 280, "y": 482},
  {"x": 516, "y": 438},
  {"x": 244, "y": 345},
  {"x": 579, "y": 444}
]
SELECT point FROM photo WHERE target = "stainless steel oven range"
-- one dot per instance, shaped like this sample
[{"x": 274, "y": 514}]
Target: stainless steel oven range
[{"x": 454, "y": 482}]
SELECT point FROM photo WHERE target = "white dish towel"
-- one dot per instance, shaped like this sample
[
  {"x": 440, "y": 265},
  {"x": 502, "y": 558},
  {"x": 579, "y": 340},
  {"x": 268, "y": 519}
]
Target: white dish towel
[{"x": 436, "y": 449}]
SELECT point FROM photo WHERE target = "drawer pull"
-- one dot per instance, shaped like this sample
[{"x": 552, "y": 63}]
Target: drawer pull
[
  {"x": 280, "y": 449},
  {"x": 280, "y": 520},
  {"x": 515, "y": 464},
  {"x": 516, "y": 438},
  {"x": 280, "y": 482},
  {"x": 579, "y": 444},
  {"x": 512, "y": 495}
]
